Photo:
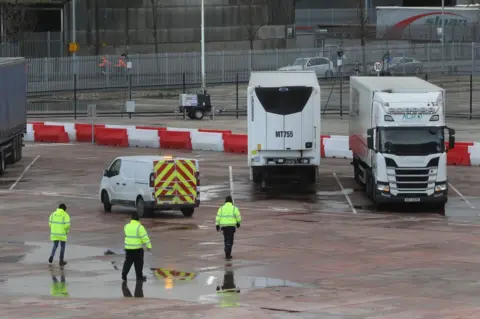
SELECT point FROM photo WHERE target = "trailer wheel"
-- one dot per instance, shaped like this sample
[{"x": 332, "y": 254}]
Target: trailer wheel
[
  {"x": 20, "y": 148},
  {"x": 2, "y": 163},
  {"x": 198, "y": 114}
]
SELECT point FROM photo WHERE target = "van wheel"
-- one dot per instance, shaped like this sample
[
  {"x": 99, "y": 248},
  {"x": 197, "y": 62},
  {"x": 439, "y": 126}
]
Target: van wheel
[
  {"x": 188, "y": 212},
  {"x": 140, "y": 207},
  {"x": 107, "y": 206}
]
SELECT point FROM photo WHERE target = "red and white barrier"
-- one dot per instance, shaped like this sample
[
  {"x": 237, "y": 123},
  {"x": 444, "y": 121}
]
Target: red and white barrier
[{"x": 336, "y": 146}]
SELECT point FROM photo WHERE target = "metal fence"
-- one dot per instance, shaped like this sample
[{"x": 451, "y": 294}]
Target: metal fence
[
  {"x": 174, "y": 70},
  {"x": 462, "y": 93}
]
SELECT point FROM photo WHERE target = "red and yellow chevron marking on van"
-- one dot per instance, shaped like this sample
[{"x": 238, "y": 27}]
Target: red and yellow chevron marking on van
[
  {"x": 186, "y": 181},
  {"x": 175, "y": 181}
]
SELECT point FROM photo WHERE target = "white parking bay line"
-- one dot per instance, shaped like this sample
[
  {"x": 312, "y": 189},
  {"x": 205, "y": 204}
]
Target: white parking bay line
[
  {"x": 461, "y": 196},
  {"x": 345, "y": 193},
  {"x": 23, "y": 173}
]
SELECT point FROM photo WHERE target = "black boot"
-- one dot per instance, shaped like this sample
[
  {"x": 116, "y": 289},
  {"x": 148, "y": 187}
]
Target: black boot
[
  {"x": 62, "y": 263},
  {"x": 50, "y": 259}
]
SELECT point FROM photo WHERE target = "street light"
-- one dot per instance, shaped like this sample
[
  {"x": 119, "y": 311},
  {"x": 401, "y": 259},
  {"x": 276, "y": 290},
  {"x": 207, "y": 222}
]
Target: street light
[
  {"x": 443, "y": 21},
  {"x": 74, "y": 34},
  {"x": 202, "y": 41}
]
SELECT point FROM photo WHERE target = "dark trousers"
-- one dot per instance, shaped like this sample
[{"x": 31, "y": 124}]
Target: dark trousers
[
  {"x": 228, "y": 235},
  {"x": 62, "y": 249},
  {"x": 133, "y": 257}
]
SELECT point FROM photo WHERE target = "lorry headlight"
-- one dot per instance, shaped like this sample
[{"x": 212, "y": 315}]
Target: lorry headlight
[
  {"x": 434, "y": 118},
  {"x": 305, "y": 161},
  {"x": 440, "y": 187},
  {"x": 383, "y": 187},
  {"x": 280, "y": 161}
]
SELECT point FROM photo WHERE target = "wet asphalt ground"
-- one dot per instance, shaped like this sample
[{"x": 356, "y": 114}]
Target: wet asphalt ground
[{"x": 327, "y": 254}]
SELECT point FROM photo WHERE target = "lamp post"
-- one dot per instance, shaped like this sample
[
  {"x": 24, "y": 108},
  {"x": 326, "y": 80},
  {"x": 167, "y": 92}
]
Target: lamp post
[
  {"x": 74, "y": 34},
  {"x": 202, "y": 41}
]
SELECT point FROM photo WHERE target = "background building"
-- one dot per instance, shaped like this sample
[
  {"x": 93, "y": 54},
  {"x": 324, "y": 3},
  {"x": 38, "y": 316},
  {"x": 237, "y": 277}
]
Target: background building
[{"x": 147, "y": 26}]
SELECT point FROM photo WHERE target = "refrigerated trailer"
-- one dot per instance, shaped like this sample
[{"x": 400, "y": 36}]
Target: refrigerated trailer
[
  {"x": 13, "y": 116},
  {"x": 397, "y": 137},
  {"x": 283, "y": 127}
]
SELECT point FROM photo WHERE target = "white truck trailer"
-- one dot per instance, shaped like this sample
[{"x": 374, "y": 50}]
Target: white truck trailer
[
  {"x": 283, "y": 127},
  {"x": 397, "y": 137},
  {"x": 423, "y": 23}
]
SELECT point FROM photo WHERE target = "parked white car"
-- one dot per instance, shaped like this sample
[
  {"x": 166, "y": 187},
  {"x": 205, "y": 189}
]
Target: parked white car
[{"x": 322, "y": 66}]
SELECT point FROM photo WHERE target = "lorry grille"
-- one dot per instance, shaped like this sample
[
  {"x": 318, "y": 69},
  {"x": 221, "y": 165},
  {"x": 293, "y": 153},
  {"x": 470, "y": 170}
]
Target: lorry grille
[{"x": 405, "y": 180}]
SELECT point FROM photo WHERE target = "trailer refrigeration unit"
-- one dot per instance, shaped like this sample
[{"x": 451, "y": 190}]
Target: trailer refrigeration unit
[
  {"x": 13, "y": 116},
  {"x": 283, "y": 127},
  {"x": 397, "y": 137}
]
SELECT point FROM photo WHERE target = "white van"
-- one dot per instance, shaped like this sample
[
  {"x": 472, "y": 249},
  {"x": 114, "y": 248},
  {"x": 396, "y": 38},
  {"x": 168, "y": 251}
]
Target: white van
[{"x": 152, "y": 182}]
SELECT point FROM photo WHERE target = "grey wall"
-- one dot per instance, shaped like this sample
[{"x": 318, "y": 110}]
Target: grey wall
[{"x": 178, "y": 24}]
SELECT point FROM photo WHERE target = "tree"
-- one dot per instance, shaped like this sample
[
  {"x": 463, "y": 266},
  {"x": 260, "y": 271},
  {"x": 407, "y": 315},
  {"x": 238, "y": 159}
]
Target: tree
[
  {"x": 154, "y": 4},
  {"x": 254, "y": 21},
  {"x": 127, "y": 25},
  {"x": 363, "y": 20},
  {"x": 278, "y": 12},
  {"x": 17, "y": 20}
]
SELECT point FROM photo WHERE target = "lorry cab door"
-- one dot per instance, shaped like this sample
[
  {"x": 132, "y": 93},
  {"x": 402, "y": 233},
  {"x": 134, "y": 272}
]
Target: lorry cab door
[{"x": 288, "y": 127}]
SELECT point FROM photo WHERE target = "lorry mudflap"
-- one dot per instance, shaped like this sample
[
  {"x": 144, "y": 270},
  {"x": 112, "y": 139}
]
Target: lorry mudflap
[{"x": 175, "y": 182}]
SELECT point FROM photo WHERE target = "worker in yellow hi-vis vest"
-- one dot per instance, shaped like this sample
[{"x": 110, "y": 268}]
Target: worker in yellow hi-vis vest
[
  {"x": 228, "y": 220},
  {"x": 59, "y": 223},
  {"x": 136, "y": 237}
]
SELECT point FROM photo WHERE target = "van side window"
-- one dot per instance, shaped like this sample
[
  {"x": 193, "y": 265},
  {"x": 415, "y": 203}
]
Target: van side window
[
  {"x": 283, "y": 100},
  {"x": 115, "y": 168}
]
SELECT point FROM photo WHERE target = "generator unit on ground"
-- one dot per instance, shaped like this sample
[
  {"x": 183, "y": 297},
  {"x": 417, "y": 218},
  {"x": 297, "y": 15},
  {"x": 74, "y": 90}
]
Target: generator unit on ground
[{"x": 195, "y": 105}]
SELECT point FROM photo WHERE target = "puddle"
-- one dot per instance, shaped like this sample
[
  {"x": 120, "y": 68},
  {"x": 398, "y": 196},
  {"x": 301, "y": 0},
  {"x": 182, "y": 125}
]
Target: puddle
[
  {"x": 89, "y": 274},
  {"x": 10, "y": 181},
  {"x": 205, "y": 287},
  {"x": 165, "y": 225},
  {"x": 11, "y": 259}
]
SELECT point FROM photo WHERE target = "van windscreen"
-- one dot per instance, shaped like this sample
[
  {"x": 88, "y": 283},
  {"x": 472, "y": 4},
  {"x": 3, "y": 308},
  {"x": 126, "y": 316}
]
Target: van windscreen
[{"x": 284, "y": 100}]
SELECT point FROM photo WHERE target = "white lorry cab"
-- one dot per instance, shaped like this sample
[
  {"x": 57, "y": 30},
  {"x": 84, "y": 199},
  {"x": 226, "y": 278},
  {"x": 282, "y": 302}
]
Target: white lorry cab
[
  {"x": 397, "y": 137},
  {"x": 152, "y": 182},
  {"x": 283, "y": 126}
]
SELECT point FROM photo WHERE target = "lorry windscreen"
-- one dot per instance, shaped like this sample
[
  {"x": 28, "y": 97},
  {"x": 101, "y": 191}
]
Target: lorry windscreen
[
  {"x": 411, "y": 141},
  {"x": 283, "y": 100}
]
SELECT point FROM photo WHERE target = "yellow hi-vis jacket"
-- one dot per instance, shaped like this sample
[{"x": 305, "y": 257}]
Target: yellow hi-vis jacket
[
  {"x": 228, "y": 215},
  {"x": 59, "y": 222},
  {"x": 136, "y": 236}
]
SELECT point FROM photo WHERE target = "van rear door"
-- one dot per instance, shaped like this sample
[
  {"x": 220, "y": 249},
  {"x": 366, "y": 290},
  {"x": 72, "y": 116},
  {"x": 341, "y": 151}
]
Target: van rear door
[
  {"x": 175, "y": 182},
  {"x": 287, "y": 126}
]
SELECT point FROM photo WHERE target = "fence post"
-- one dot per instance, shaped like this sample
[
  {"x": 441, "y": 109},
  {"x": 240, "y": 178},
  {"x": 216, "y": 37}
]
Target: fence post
[
  {"x": 223, "y": 67},
  {"x": 473, "y": 57},
  {"x": 471, "y": 95},
  {"x": 250, "y": 60},
  {"x": 183, "y": 83},
  {"x": 75, "y": 96},
  {"x": 278, "y": 62},
  {"x": 236, "y": 96}
]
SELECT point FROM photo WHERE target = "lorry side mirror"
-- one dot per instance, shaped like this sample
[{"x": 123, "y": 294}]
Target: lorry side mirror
[
  {"x": 370, "y": 138},
  {"x": 451, "y": 138}
]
